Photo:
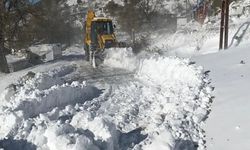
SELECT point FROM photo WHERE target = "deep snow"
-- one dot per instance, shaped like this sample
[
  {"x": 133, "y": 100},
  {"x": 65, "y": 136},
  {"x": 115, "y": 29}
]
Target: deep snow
[
  {"x": 227, "y": 126},
  {"x": 139, "y": 106},
  {"x": 143, "y": 102}
]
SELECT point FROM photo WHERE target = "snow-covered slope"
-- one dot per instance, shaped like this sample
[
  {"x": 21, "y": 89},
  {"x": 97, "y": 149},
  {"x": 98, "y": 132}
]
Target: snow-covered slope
[{"x": 196, "y": 39}]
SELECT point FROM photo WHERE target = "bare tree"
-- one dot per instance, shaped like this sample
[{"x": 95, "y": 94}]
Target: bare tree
[
  {"x": 137, "y": 15},
  {"x": 150, "y": 8},
  {"x": 13, "y": 15},
  {"x": 3, "y": 62}
]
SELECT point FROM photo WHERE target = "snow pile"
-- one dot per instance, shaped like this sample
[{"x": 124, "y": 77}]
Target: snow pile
[
  {"x": 41, "y": 110},
  {"x": 38, "y": 93},
  {"x": 185, "y": 96},
  {"x": 121, "y": 58},
  {"x": 162, "y": 106},
  {"x": 169, "y": 72},
  {"x": 101, "y": 128},
  {"x": 162, "y": 141},
  {"x": 62, "y": 137},
  {"x": 81, "y": 133},
  {"x": 171, "y": 97},
  {"x": 75, "y": 50}
]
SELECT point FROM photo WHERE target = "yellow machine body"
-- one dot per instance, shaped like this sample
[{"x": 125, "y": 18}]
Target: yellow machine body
[{"x": 99, "y": 33}]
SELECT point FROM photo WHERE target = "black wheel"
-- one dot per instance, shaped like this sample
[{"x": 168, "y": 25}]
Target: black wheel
[
  {"x": 86, "y": 49},
  {"x": 92, "y": 47}
]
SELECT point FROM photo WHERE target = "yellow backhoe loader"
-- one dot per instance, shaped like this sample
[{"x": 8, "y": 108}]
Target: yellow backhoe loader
[{"x": 98, "y": 36}]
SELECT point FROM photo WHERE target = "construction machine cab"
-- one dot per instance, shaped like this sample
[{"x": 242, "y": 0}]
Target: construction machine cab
[
  {"x": 103, "y": 27},
  {"x": 102, "y": 33}
]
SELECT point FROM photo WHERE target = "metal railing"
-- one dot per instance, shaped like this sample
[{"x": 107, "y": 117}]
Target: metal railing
[{"x": 241, "y": 32}]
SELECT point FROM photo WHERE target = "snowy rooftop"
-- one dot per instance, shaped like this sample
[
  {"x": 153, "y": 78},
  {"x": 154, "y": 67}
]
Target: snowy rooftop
[
  {"x": 43, "y": 49},
  {"x": 14, "y": 58}
]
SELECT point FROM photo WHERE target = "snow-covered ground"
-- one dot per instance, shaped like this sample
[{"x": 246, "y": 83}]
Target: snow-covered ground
[
  {"x": 127, "y": 103},
  {"x": 228, "y": 123},
  {"x": 147, "y": 102}
]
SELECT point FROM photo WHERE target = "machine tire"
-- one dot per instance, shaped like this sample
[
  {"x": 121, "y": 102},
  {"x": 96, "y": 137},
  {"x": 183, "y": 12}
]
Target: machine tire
[
  {"x": 92, "y": 47},
  {"x": 86, "y": 49}
]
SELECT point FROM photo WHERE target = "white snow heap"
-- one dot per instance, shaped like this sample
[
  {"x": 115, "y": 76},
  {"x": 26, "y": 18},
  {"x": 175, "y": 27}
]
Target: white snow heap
[
  {"x": 170, "y": 72},
  {"x": 101, "y": 128},
  {"x": 162, "y": 141},
  {"x": 38, "y": 95},
  {"x": 162, "y": 105},
  {"x": 172, "y": 94},
  {"x": 172, "y": 77},
  {"x": 121, "y": 58},
  {"x": 64, "y": 137}
]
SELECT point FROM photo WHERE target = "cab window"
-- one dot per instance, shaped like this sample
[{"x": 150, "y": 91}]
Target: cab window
[{"x": 104, "y": 27}]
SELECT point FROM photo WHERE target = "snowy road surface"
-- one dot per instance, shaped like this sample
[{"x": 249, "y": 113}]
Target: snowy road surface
[{"x": 127, "y": 103}]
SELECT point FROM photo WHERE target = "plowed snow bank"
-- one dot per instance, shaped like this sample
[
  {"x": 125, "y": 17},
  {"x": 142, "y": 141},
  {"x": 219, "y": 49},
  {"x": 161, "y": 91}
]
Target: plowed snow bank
[
  {"x": 36, "y": 94},
  {"x": 121, "y": 58},
  {"x": 163, "y": 106}
]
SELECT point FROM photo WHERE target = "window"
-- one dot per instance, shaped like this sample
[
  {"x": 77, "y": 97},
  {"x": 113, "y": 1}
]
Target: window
[{"x": 104, "y": 27}]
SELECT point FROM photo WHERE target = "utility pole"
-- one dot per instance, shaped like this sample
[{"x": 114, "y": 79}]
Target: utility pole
[
  {"x": 224, "y": 24},
  {"x": 187, "y": 10},
  {"x": 3, "y": 62}
]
